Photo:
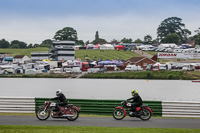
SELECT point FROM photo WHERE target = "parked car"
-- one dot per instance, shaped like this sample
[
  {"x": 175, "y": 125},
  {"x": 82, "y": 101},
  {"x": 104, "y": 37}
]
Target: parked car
[{"x": 149, "y": 67}]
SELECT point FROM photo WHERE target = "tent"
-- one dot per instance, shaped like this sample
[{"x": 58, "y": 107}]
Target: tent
[
  {"x": 107, "y": 62},
  {"x": 117, "y": 63},
  {"x": 113, "y": 62},
  {"x": 106, "y": 46},
  {"x": 119, "y": 47}
]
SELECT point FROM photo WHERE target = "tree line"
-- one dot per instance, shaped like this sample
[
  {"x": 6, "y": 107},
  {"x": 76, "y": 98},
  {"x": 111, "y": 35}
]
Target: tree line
[{"x": 171, "y": 30}]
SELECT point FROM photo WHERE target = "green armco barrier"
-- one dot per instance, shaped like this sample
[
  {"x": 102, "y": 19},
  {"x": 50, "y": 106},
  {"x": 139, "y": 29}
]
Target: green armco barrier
[{"x": 102, "y": 107}]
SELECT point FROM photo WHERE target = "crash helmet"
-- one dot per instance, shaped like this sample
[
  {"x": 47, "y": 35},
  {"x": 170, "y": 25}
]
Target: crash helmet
[
  {"x": 58, "y": 92},
  {"x": 134, "y": 92}
]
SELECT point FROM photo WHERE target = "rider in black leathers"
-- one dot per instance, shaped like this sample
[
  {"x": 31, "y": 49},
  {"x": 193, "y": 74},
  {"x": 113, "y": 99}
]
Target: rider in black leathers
[
  {"x": 62, "y": 101},
  {"x": 136, "y": 100}
]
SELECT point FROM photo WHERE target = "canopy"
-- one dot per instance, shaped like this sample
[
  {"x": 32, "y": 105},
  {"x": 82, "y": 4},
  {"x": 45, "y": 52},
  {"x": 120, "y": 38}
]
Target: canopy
[
  {"x": 119, "y": 47},
  {"x": 113, "y": 62}
]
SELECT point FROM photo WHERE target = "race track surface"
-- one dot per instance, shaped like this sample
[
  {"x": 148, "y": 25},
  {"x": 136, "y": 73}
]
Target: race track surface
[{"x": 103, "y": 122}]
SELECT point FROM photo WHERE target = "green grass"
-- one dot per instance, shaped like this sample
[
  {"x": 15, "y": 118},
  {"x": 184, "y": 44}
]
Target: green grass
[
  {"x": 107, "y": 54},
  {"x": 91, "y": 54},
  {"x": 152, "y": 52},
  {"x": 27, "y": 52},
  {"x": 42, "y": 75},
  {"x": 172, "y": 75},
  {"x": 78, "y": 129}
]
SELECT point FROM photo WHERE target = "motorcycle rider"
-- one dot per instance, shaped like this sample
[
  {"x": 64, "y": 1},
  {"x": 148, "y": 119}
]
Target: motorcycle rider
[
  {"x": 136, "y": 101},
  {"x": 61, "y": 98}
]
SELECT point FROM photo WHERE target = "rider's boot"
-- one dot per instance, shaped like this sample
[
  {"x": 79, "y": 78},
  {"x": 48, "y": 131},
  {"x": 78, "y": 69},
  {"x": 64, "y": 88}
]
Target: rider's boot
[
  {"x": 59, "y": 111},
  {"x": 132, "y": 112}
]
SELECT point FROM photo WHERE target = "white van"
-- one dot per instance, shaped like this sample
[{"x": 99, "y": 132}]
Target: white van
[
  {"x": 188, "y": 67},
  {"x": 133, "y": 68}
]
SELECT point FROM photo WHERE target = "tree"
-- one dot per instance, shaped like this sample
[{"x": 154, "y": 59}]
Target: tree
[
  {"x": 138, "y": 41},
  {"x": 126, "y": 40},
  {"x": 14, "y": 46},
  {"x": 171, "y": 38},
  {"x": 19, "y": 43},
  {"x": 46, "y": 43},
  {"x": 66, "y": 33},
  {"x": 79, "y": 42},
  {"x": 36, "y": 45},
  {"x": 196, "y": 37},
  {"x": 97, "y": 35},
  {"x": 155, "y": 41},
  {"x": 4, "y": 44},
  {"x": 173, "y": 25},
  {"x": 30, "y": 45},
  {"x": 147, "y": 39},
  {"x": 87, "y": 42},
  {"x": 98, "y": 40}
]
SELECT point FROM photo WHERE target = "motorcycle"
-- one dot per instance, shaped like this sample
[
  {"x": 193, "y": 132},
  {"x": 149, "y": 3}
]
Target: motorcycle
[
  {"x": 69, "y": 111},
  {"x": 143, "y": 112}
]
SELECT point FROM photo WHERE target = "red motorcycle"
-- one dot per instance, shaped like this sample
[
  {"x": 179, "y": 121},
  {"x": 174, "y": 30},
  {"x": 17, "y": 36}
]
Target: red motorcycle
[
  {"x": 143, "y": 112},
  {"x": 69, "y": 111}
]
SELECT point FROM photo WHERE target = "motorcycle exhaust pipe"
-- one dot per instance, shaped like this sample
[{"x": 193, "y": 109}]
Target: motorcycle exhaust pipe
[{"x": 68, "y": 115}]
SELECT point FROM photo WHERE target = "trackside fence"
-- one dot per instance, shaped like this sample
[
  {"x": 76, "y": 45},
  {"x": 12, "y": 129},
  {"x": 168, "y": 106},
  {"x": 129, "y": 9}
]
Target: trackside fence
[
  {"x": 181, "y": 109},
  {"x": 17, "y": 104},
  {"x": 102, "y": 107}
]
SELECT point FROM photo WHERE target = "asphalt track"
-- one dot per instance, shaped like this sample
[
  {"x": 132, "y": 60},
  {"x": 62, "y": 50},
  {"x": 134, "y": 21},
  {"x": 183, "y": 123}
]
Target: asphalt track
[{"x": 104, "y": 122}]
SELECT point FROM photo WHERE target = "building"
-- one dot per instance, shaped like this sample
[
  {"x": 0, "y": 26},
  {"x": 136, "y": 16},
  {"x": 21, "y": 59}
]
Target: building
[
  {"x": 39, "y": 56},
  {"x": 62, "y": 50},
  {"x": 140, "y": 61},
  {"x": 22, "y": 59}
]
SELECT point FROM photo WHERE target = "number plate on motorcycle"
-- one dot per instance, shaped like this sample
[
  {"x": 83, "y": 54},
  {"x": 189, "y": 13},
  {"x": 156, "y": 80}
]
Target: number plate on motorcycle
[
  {"x": 128, "y": 104},
  {"x": 53, "y": 104}
]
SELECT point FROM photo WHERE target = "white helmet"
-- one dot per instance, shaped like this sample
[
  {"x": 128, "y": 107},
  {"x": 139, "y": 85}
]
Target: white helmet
[{"x": 58, "y": 92}]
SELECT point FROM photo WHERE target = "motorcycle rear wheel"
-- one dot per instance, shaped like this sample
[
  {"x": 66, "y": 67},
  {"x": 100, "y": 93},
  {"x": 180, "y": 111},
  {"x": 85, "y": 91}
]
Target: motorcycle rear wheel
[
  {"x": 42, "y": 115},
  {"x": 75, "y": 115},
  {"x": 145, "y": 114},
  {"x": 118, "y": 114}
]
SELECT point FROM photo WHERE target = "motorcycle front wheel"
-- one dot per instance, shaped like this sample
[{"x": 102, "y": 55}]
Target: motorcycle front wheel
[
  {"x": 145, "y": 114},
  {"x": 42, "y": 114},
  {"x": 75, "y": 115},
  {"x": 118, "y": 114}
]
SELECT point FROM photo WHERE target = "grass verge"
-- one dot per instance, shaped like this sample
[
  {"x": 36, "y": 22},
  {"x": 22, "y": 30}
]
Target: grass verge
[
  {"x": 168, "y": 75},
  {"x": 78, "y": 129},
  {"x": 43, "y": 75}
]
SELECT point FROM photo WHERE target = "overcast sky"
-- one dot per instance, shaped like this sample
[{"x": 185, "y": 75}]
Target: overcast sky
[{"x": 33, "y": 21}]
